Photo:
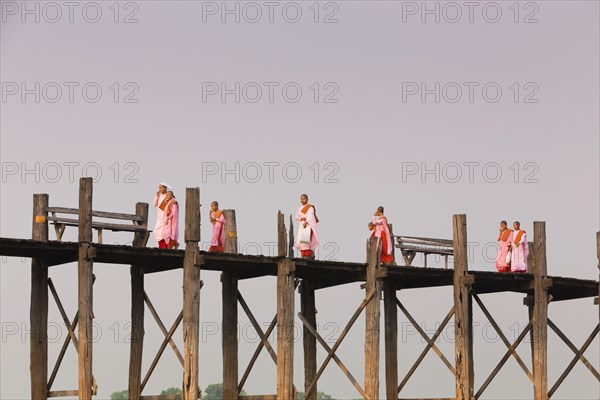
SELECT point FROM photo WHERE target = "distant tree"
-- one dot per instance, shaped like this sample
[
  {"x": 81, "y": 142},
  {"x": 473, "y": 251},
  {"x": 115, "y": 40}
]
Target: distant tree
[
  {"x": 320, "y": 396},
  {"x": 215, "y": 392},
  {"x": 171, "y": 390},
  {"x": 122, "y": 395}
]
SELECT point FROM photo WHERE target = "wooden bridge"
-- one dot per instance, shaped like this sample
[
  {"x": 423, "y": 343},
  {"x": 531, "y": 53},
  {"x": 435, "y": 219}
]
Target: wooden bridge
[{"x": 381, "y": 283}]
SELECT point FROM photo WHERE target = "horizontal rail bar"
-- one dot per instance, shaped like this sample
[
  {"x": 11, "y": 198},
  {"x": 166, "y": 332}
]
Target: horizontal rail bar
[
  {"x": 100, "y": 225},
  {"x": 101, "y": 214}
]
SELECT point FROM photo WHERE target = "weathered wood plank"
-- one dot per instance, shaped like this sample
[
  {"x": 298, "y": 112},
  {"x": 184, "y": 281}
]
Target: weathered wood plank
[
  {"x": 229, "y": 291},
  {"x": 191, "y": 295},
  {"x": 309, "y": 341},
  {"x": 391, "y": 340},
  {"x": 38, "y": 311},
  {"x": 463, "y": 312},
  {"x": 285, "y": 330},
  {"x": 540, "y": 313},
  {"x": 372, "y": 322},
  {"x": 85, "y": 291},
  {"x": 100, "y": 214},
  {"x": 99, "y": 225}
]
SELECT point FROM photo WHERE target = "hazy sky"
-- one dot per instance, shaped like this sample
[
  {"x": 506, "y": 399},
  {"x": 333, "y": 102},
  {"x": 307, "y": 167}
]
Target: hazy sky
[{"x": 430, "y": 109}]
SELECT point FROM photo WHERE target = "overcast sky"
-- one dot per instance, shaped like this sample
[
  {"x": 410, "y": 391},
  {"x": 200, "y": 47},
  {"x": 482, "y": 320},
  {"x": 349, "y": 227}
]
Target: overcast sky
[{"x": 430, "y": 109}]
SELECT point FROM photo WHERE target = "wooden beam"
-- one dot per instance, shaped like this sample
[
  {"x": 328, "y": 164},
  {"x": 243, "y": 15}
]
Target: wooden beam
[
  {"x": 229, "y": 291},
  {"x": 309, "y": 341},
  {"x": 372, "y": 321},
  {"x": 598, "y": 256},
  {"x": 137, "y": 309},
  {"x": 391, "y": 339},
  {"x": 191, "y": 295},
  {"x": 85, "y": 292},
  {"x": 540, "y": 313},
  {"x": 38, "y": 311},
  {"x": 285, "y": 330},
  {"x": 463, "y": 307},
  {"x": 282, "y": 243},
  {"x": 291, "y": 244}
]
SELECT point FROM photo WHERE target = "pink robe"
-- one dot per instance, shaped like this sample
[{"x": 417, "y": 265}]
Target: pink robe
[
  {"x": 218, "y": 236},
  {"x": 519, "y": 254},
  {"x": 381, "y": 226},
  {"x": 158, "y": 227},
  {"x": 170, "y": 223},
  {"x": 312, "y": 223},
  {"x": 503, "y": 248}
]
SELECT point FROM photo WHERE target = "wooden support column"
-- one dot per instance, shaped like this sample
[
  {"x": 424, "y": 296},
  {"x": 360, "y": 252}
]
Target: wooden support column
[
  {"x": 191, "y": 294},
  {"x": 281, "y": 235},
  {"x": 463, "y": 306},
  {"x": 391, "y": 340},
  {"x": 540, "y": 313},
  {"x": 85, "y": 292},
  {"x": 309, "y": 341},
  {"x": 38, "y": 311},
  {"x": 372, "y": 321},
  {"x": 598, "y": 255},
  {"x": 140, "y": 239},
  {"x": 285, "y": 329},
  {"x": 229, "y": 284}
]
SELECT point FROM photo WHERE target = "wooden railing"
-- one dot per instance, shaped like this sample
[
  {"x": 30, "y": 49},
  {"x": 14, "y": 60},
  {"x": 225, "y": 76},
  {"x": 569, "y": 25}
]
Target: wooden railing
[
  {"x": 411, "y": 245},
  {"x": 139, "y": 222}
]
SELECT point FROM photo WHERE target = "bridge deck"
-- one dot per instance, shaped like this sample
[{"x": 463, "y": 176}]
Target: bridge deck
[{"x": 327, "y": 273}]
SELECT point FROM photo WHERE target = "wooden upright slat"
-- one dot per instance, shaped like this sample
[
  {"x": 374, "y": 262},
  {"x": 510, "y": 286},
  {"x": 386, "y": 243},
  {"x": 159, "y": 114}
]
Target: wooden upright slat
[
  {"x": 372, "y": 321},
  {"x": 309, "y": 311},
  {"x": 540, "y": 313},
  {"x": 285, "y": 330},
  {"x": 38, "y": 345},
  {"x": 598, "y": 256},
  {"x": 391, "y": 340},
  {"x": 463, "y": 306},
  {"x": 229, "y": 284},
  {"x": 85, "y": 271},
  {"x": 281, "y": 235},
  {"x": 191, "y": 294},
  {"x": 137, "y": 310}
]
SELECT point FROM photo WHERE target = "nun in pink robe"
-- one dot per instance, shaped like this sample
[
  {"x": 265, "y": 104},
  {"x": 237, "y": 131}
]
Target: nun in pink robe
[
  {"x": 217, "y": 218},
  {"x": 170, "y": 223},
  {"x": 306, "y": 214},
  {"x": 505, "y": 239},
  {"x": 382, "y": 231},
  {"x": 520, "y": 251}
]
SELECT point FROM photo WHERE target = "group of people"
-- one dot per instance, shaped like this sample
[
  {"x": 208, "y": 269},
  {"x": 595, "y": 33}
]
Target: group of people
[
  {"x": 513, "y": 249},
  {"x": 512, "y": 252},
  {"x": 166, "y": 229}
]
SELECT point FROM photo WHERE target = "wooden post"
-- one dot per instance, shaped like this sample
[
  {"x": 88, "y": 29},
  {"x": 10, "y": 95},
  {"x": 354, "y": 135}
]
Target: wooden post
[
  {"x": 281, "y": 235},
  {"x": 372, "y": 320},
  {"x": 137, "y": 310},
  {"x": 291, "y": 246},
  {"x": 85, "y": 292},
  {"x": 309, "y": 311},
  {"x": 391, "y": 228},
  {"x": 285, "y": 316},
  {"x": 598, "y": 255},
  {"x": 391, "y": 340},
  {"x": 285, "y": 329},
  {"x": 540, "y": 313},
  {"x": 463, "y": 306},
  {"x": 38, "y": 311},
  {"x": 229, "y": 284},
  {"x": 191, "y": 294}
]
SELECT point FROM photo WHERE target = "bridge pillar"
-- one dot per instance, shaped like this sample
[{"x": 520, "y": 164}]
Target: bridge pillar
[
  {"x": 38, "y": 318},
  {"x": 540, "y": 313},
  {"x": 285, "y": 329},
  {"x": 372, "y": 321},
  {"x": 191, "y": 294},
  {"x": 85, "y": 292},
  {"x": 463, "y": 306},
  {"x": 229, "y": 284},
  {"x": 140, "y": 239}
]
